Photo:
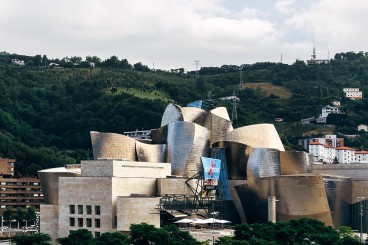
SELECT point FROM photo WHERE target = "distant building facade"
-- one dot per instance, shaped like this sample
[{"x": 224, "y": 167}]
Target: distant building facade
[
  {"x": 353, "y": 93},
  {"x": 18, "y": 191}
]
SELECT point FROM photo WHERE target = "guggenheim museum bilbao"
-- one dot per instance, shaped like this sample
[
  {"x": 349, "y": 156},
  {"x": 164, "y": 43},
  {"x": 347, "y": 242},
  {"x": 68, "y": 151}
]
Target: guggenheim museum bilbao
[{"x": 197, "y": 165}]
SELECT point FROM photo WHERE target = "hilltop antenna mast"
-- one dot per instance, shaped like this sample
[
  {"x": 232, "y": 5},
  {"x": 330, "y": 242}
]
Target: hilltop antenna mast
[
  {"x": 234, "y": 113},
  {"x": 241, "y": 83},
  {"x": 281, "y": 58},
  {"x": 196, "y": 62}
]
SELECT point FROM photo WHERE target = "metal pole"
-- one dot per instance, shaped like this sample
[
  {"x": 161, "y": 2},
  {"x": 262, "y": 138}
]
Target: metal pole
[{"x": 361, "y": 199}]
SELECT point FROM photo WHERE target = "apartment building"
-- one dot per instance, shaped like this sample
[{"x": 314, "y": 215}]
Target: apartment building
[{"x": 18, "y": 191}]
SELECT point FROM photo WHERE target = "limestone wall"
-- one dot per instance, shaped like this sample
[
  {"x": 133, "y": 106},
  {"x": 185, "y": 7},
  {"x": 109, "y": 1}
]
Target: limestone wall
[
  {"x": 135, "y": 210},
  {"x": 355, "y": 171},
  {"x": 114, "y": 168},
  {"x": 49, "y": 220},
  {"x": 93, "y": 191}
]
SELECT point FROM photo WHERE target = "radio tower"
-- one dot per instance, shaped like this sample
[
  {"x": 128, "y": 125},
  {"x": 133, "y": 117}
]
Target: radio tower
[
  {"x": 241, "y": 85},
  {"x": 196, "y": 62}
]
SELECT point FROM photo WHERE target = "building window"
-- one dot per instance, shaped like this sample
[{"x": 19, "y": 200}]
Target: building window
[
  {"x": 89, "y": 222},
  {"x": 97, "y": 223},
  {"x": 97, "y": 234},
  {"x": 71, "y": 209},
  {"x": 97, "y": 210},
  {"x": 80, "y": 209},
  {"x": 80, "y": 222},
  {"x": 71, "y": 221},
  {"x": 89, "y": 209}
]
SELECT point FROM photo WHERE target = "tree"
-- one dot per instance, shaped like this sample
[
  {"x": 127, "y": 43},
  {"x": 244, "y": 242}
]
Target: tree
[
  {"x": 140, "y": 67},
  {"x": 8, "y": 215},
  {"x": 78, "y": 237},
  {"x": 37, "y": 60},
  {"x": 144, "y": 233},
  {"x": 20, "y": 215},
  {"x": 37, "y": 238},
  {"x": 30, "y": 216},
  {"x": 112, "y": 238}
]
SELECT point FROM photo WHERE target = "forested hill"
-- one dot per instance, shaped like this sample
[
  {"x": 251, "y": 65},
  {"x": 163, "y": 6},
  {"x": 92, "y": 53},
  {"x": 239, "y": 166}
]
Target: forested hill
[{"x": 47, "y": 111}]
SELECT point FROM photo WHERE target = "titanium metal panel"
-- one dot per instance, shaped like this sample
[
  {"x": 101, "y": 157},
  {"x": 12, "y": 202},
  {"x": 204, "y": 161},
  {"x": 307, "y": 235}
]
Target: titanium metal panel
[
  {"x": 263, "y": 162},
  {"x": 172, "y": 114},
  {"x": 186, "y": 144},
  {"x": 49, "y": 180},
  {"x": 218, "y": 127},
  {"x": 295, "y": 162},
  {"x": 338, "y": 190},
  {"x": 221, "y": 112},
  {"x": 192, "y": 114},
  {"x": 256, "y": 136},
  {"x": 159, "y": 135},
  {"x": 112, "y": 146},
  {"x": 237, "y": 155},
  {"x": 298, "y": 196},
  {"x": 150, "y": 153}
]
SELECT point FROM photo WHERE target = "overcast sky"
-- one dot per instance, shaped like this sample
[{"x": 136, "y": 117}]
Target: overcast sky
[{"x": 174, "y": 33}]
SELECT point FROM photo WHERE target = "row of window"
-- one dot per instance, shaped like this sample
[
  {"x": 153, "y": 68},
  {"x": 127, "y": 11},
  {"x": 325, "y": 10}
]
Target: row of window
[
  {"x": 80, "y": 222},
  {"x": 88, "y": 209}
]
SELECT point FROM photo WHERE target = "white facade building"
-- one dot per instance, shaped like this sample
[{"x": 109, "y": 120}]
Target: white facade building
[
  {"x": 325, "y": 112},
  {"x": 361, "y": 156},
  {"x": 362, "y": 127},
  {"x": 345, "y": 155},
  {"x": 317, "y": 150},
  {"x": 353, "y": 93}
]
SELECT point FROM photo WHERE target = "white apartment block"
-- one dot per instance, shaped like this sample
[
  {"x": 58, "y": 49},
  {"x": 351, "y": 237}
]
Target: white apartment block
[
  {"x": 345, "y": 155},
  {"x": 353, "y": 93},
  {"x": 331, "y": 148},
  {"x": 328, "y": 140},
  {"x": 361, "y": 156},
  {"x": 317, "y": 150}
]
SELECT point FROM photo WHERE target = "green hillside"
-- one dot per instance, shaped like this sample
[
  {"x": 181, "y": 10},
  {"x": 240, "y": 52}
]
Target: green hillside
[{"x": 46, "y": 113}]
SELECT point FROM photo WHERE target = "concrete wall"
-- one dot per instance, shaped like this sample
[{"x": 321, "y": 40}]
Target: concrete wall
[
  {"x": 49, "y": 220},
  {"x": 135, "y": 210}
]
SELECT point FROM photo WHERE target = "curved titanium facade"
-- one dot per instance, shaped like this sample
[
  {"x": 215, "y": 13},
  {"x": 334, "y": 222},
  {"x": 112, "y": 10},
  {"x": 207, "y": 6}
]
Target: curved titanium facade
[
  {"x": 221, "y": 112},
  {"x": 172, "y": 114},
  {"x": 49, "y": 180},
  {"x": 338, "y": 190},
  {"x": 295, "y": 162},
  {"x": 298, "y": 195},
  {"x": 112, "y": 146},
  {"x": 186, "y": 144},
  {"x": 150, "y": 153},
  {"x": 257, "y": 136},
  {"x": 263, "y": 162},
  {"x": 237, "y": 155}
]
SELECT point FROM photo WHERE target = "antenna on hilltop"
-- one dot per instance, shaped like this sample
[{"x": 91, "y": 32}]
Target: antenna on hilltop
[
  {"x": 196, "y": 62},
  {"x": 241, "y": 83},
  {"x": 281, "y": 58}
]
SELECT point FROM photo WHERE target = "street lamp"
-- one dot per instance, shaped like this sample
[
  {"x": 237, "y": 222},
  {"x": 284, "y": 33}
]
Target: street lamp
[
  {"x": 361, "y": 199},
  {"x": 213, "y": 225}
]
